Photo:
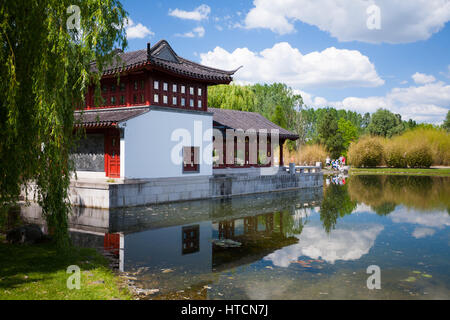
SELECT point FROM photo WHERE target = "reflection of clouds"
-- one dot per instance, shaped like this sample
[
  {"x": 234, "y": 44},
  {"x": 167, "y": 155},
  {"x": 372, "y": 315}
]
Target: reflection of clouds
[
  {"x": 427, "y": 219},
  {"x": 302, "y": 214},
  {"x": 361, "y": 207},
  {"x": 340, "y": 244},
  {"x": 423, "y": 232}
]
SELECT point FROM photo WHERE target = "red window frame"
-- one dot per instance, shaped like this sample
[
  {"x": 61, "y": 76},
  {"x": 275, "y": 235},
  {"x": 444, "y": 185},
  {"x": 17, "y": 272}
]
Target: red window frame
[{"x": 137, "y": 91}]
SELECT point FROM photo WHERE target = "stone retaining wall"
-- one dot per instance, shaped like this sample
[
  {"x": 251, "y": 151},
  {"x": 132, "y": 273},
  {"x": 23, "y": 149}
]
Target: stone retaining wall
[{"x": 130, "y": 193}]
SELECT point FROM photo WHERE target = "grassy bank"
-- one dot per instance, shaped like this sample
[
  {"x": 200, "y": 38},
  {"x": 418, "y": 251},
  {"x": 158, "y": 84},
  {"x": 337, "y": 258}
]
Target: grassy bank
[
  {"x": 442, "y": 172},
  {"x": 39, "y": 272}
]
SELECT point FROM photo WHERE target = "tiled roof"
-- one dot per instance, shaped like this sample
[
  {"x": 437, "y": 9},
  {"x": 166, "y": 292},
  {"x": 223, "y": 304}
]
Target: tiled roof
[
  {"x": 248, "y": 120},
  {"x": 162, "y": 56},
  {"x": 108, "y": 117},
  {"x": 233, "y": 119}
]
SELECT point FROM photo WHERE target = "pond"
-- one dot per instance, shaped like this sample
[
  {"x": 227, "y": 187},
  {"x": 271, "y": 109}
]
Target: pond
[{"x": 315, "y": 244}]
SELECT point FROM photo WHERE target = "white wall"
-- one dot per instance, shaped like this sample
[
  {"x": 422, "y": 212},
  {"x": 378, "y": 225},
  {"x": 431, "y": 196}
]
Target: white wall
[{"x": 148, "y": 146}]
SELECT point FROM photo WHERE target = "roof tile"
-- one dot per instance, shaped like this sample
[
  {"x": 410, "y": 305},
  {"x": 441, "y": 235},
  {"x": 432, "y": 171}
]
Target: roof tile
[{"x": 248, "y": 120}]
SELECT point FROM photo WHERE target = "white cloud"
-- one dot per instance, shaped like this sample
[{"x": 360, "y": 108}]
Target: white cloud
[
  {"x": 423, "y": 232},
  {"x": 138, "y": 31},
  {"x": 401, "y": 21},
  {"x": 282, "y": 63},
  {"x": 333, "y": 67},
  {"x": 341, "y": 244},
  {"x": 425, "y": 103},
  {"x": 200, "y": 13},
  {"x": 421, "y": 78},
  {"x": 196, "y": 32}
]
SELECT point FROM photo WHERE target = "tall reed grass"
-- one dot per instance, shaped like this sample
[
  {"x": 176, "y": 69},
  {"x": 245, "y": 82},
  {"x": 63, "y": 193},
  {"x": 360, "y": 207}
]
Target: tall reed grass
[
  {"x": 437, "y": 140},
  {"x": 416, "y": 148},
  {"x": 306, "y": 155}
]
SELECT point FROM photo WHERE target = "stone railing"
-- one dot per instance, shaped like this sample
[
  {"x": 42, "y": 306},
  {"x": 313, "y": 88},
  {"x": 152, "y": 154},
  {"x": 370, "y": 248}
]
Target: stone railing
[{"x": 293, "y": 169}]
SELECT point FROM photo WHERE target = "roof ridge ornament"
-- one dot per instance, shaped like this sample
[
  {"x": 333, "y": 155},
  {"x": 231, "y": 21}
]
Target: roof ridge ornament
[{"x": 148, "y": 51}]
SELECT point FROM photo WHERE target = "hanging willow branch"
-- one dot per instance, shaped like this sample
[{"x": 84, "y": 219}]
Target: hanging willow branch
[{"x": 45, "y": 71}]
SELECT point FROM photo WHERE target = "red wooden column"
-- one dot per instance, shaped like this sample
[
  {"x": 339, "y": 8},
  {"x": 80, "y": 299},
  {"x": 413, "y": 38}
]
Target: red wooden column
[
  {"x": 205, "y": 98},
  {"x": 128, "y": 89},
  {"x": 148, "y": 85}
]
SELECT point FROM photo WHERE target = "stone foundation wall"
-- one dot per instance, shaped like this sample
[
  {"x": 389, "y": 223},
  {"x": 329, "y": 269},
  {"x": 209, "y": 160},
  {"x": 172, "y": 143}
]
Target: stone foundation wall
[
  {"x": 130, "y": 193},
  {"x": 241, "y": 184},
  {"x": 159, "y": 190}
]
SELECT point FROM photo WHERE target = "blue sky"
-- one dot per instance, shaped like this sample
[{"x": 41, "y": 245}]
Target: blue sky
[{"x": 352, "y": 54}]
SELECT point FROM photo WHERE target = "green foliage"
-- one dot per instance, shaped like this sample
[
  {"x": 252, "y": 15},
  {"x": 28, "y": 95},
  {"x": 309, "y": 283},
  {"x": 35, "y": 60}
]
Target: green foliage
[
  {"x": 272, "y": 101},
  {"x": 385, "y": 208},
  {"x": 330, "y": 136},
  {"x": 366, "y": 152},
  {"x": 233, "y": 97},
  {"x": 419, "y": 156},
  {"x": 348, "y": 132},
  {"x": 314, "y": 117},
  {"x": 39, "y": 272},
  {"x": 278, "y": 117},
  {"x": 446, "y": 124},
  {"x": 386, "y": 124},
  {"x": 276, "y": 102},
  {"x": 336, "y": 203},
  {"x": 440, "y": 172},
  {"x": 410, "y": 124},
  {"x": 269, "y": 97},
  {"x": 45, "y": 71}
]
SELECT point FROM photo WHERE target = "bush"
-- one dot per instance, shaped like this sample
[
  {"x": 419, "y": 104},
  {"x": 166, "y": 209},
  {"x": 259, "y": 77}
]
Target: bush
[
  {"x": 419, "y": 156},
  {"x": 395, "y": 155},
  {"x": 366, "y": 152}
]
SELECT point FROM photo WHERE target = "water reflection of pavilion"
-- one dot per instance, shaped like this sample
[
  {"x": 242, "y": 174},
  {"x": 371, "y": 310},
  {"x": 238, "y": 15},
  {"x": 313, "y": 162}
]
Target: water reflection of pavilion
[
  {"x": 260, "y": 235},
  {"x": 182, "y": 235}
]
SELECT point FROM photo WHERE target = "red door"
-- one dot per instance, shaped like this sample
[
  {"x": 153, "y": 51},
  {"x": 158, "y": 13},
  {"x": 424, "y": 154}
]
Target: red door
[
  {"x": 111, "y": 243},
  {"x": 112, "y": 153}
]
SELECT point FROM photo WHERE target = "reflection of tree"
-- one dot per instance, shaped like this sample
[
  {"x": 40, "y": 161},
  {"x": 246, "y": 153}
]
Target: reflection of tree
[
  {"x": 289, "y": 225},
  {"x": 262, "y": 234},
  {"x": 336, "y": 203},
  {"x": 383, "y": 193}
]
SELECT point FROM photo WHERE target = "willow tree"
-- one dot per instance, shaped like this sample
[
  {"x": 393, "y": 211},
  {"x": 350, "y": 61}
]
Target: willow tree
[{"x": 46, "y": 49}]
